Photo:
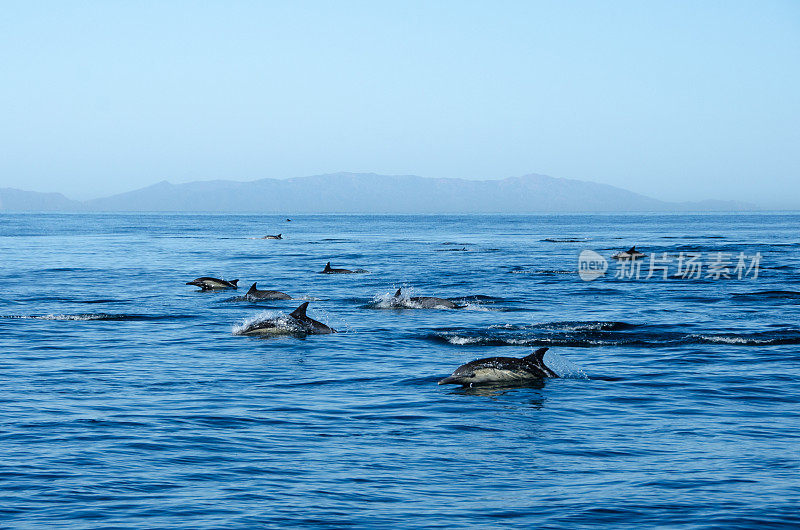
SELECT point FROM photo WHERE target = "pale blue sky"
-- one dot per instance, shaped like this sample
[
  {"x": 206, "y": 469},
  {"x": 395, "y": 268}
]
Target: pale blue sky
[{"x": 677, "y": 100}]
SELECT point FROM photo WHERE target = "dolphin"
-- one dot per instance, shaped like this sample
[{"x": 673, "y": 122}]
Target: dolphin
[
  {"x": 258, "y": 294},
  {"x": 273, "y": 237},
  {"x": 501, "y": 370},
  {"x": 631, "y": 253},
  {"x": 329, "y": 270},
  {"x": 296, "y": 323},
  {"x": 212, "y": 284},
  {"x": 425, "y": 302}
]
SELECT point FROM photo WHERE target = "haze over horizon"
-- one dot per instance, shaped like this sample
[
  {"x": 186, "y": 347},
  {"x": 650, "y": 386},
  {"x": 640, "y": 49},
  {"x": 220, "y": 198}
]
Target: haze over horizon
[{"x": 683, "y": 101}]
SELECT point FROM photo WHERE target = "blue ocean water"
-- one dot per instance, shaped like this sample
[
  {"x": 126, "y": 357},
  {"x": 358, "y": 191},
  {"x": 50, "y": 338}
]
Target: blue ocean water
[{"x": 127, "y": 400}]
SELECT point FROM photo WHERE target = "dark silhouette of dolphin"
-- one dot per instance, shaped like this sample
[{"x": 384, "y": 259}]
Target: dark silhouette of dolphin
[
  {"x": 426, "y": 302},
  {"x": 296, "y": 323},
  {"x": 207, "y": 283},
  {"x": 258, "y": 294},
  {"x": 329, "y": 270},
  {"x": 501, "y": 370},
  {"x": 631, "y": 253}
]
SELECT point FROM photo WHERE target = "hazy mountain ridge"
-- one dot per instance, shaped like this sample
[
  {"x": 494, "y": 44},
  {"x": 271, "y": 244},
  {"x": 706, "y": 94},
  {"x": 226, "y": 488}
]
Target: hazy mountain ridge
[
  {"x": 19, "y": 200},
  {"x": 368, "y": 193}
]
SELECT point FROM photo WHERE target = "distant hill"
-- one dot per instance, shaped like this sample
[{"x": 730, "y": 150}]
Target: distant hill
[
  {"x": 372, "y": 193},
  {"x": 18, "y": 200}
]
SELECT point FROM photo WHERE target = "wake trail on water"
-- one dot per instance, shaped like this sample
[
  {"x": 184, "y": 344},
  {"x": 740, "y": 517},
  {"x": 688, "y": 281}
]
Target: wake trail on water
[
  {"x": 596, "y": 334},
  {"x": 769, "y": 294},
  {"x": 97, "y": 316}
]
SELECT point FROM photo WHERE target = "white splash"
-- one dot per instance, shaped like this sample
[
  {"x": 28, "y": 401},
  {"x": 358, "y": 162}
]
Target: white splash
[
  {"x": 86, "y": 316},
  {"x": 563, "y": 367},
  {"x": 280, "y": 321},
  {"x": 722, "y": 339}
]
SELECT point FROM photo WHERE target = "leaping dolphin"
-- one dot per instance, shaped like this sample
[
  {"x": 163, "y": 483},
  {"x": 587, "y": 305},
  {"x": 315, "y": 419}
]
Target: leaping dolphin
[
  {"x": 501, "y": 370},
  {"x": 259, "y": 294},
  {"x": 296, "y": 323},
  {"x": 632, "y": 253},
  {"x": 273, "y": 237},
  {"x": 425, "y": 302},
  {"x": 212, "y": 284}
]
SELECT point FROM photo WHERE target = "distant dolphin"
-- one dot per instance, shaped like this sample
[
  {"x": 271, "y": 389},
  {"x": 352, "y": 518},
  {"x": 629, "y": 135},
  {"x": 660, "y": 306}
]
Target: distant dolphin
[
  {"x": 279, "y": 236},
  {"x": 501, "y": 370},
  {"x": 632, "y": 253},
  {"x": 329, "y": 270},
  {"x": 212, "y": 284},
  {"x": 296, "y": 323},
  {"x": 258, "y": 294},
  {"x": 425, "y": 302}
]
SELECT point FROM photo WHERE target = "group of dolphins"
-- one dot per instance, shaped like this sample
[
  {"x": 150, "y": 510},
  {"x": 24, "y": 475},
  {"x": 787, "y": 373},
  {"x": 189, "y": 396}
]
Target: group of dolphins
[{"x": 490, "y": 371}]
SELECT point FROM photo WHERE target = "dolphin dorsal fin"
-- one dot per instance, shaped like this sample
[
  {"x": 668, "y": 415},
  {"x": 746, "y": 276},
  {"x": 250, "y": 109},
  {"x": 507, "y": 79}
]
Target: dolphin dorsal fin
[
  {"x": 633, "y": 249},
  {"x": 328, "y": 266},
  {"x": 252, "y": 288},
  {"x": 300, "y": 312},
  {"x": 538, "y": 355},
  {"x": 397, "y": 294},
  {"x": 279, "y": 236}
]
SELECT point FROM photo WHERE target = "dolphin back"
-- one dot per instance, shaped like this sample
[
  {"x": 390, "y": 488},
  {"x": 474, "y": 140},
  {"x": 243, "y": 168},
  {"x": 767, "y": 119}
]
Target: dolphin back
[
  {"x": 537, "y": 356},
  {"x": 300, "y": 312}
]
